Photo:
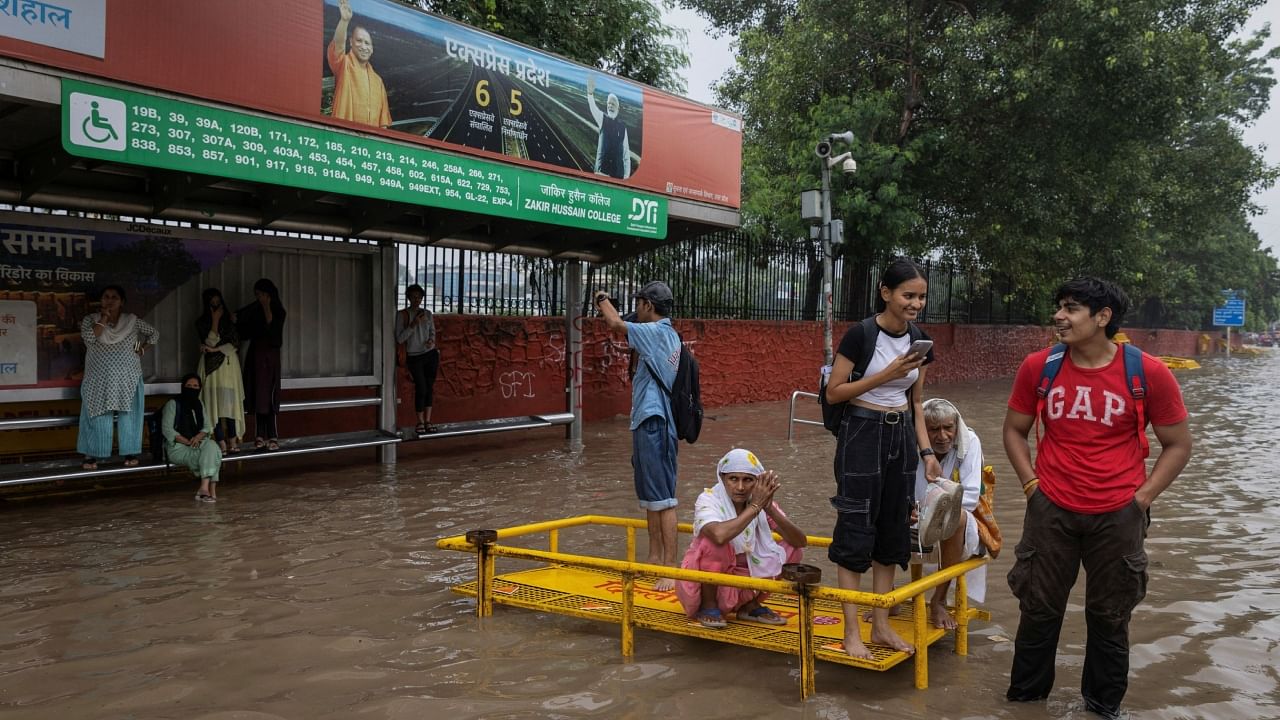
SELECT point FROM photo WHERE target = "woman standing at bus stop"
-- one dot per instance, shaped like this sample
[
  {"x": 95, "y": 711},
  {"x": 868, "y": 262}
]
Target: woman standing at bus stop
[
  {"x": 416, "y": 329},
  {"x": 112, "y": 391},
  {"x": 262, "y": 324}
]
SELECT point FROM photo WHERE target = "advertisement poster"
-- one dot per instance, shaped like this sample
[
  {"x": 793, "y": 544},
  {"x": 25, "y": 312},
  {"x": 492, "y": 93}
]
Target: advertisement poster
[
  {"x": 389, "y": 66},
  {"x": 390, "y": 72},
  {"x": 17, "y": 342},
  {"x": 59, "y": 272}
]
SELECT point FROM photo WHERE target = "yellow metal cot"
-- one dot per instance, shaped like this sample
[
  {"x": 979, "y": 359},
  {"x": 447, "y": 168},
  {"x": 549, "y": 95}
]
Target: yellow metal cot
[{"x": 621, "y": 591}]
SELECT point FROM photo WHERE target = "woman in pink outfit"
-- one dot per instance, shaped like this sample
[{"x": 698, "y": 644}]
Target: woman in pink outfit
[{"x": 733, "y": 526}]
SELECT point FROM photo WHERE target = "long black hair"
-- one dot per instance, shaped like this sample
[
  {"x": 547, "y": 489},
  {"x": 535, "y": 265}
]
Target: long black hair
[
  {"x": 266, "y": 286},
  {"x": 898, "y": 271},
  {"x": 226, "y": 329}
]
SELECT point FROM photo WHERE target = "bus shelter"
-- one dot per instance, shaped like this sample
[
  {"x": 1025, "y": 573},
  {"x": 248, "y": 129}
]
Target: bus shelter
[{"x": 209, "y": 144}]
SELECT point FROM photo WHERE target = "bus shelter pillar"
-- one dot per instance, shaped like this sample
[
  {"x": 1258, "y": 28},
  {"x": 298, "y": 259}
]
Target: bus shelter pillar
[
  {"x": 384, "y": 309},
  {"x": 573, "y": 294}
]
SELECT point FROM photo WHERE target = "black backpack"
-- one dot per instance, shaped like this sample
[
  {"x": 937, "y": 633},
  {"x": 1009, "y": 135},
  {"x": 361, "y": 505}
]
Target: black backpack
[
  {"x": 832, "y": 415},
  {"x": 685, "y": 395}
]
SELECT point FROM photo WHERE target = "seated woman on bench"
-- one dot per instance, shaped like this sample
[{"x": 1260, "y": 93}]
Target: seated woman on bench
[
  {"x": 186, "y": 428},
  {"x": 733, "y": 529}
]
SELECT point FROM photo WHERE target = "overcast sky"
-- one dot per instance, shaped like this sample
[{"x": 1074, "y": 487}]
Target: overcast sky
[{"x": 709, "y": 58}]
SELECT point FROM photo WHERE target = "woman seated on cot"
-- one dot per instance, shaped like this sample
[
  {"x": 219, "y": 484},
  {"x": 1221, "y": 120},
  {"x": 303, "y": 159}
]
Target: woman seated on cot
[
  {"x": 733, "y": 527},
  {"x": 186, "y": 428},
  {"x": 974, "y": 531}
]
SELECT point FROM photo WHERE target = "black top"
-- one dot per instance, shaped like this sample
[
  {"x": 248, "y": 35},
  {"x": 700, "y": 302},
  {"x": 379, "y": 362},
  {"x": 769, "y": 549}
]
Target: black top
[{"x": 252, "y": 323}]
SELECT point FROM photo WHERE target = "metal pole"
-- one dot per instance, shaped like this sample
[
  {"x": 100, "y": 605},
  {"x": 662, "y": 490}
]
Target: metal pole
[
  {"x": 827, "y": 327},
  {"x": 384, "y": 307},
  {"x": 1228, "y": 341},
  {"x": 573, "y": 295}
]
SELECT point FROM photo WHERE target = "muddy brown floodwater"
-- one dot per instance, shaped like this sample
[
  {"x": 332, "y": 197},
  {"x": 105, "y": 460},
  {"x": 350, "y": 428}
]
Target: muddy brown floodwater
[{"x": 319, "y": 593}]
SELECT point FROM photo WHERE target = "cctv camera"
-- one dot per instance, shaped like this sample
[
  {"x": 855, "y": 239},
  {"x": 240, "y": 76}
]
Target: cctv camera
[
  {"x": 849, "y": 166},
  {"x": 823, "y": 149}
]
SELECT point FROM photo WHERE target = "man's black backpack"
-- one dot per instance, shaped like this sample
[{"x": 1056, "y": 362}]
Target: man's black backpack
[
  {"x": 685, "y": 395},
  {"x": 833, "y": 414}
]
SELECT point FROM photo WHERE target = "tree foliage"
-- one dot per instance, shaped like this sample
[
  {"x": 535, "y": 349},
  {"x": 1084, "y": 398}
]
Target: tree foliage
[
  {"x": 624, "y": 37},
  {"x": 1039, "y": 140}
]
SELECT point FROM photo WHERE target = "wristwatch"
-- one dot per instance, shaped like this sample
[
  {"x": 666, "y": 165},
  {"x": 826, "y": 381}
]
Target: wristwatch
[{"x": 926, "y": 453}]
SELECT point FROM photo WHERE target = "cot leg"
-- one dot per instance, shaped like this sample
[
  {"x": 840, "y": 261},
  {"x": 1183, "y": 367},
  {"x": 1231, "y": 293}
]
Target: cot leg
[
  {"x": 482, "y": 541},
  {"x": 921, "y": 631},
  {"x": 628, "y": 615}
]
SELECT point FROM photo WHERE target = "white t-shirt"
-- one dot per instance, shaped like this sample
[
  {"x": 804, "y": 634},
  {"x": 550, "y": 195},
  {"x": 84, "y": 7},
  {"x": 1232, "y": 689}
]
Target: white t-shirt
[{"x": 894, "y": 392}]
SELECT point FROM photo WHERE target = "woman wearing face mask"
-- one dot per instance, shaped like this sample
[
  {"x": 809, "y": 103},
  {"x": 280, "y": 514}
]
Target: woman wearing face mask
[
  {"x": 186, "y": 428},
  {"x": 219, "y": 369},
  {"x": 112, "y": 390}
]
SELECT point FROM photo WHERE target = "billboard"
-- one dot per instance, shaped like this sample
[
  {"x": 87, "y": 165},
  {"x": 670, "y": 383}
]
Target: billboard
[{"x": 385, "y": 69}]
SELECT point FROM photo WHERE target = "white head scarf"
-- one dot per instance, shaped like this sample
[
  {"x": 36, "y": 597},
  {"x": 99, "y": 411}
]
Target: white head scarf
[
  {"x": 960, "y": 446},
  {"x": 764, "y": 556}
]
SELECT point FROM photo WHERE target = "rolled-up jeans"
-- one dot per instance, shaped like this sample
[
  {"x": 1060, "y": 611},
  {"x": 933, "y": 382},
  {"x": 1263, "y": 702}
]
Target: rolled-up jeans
[{"x": 1055, "y": 543}]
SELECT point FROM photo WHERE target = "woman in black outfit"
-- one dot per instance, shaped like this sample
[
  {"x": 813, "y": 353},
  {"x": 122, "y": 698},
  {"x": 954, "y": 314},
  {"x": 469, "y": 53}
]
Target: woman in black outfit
[{"x": 262, "y": 324}]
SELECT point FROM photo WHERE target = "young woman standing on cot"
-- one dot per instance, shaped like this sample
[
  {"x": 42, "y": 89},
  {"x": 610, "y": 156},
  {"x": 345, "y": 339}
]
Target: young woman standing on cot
[{"x": 882, "y": 435}]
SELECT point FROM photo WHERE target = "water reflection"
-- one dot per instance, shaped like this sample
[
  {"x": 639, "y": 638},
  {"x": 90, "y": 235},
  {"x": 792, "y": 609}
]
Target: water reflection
[{"x": 321, "y": 595}]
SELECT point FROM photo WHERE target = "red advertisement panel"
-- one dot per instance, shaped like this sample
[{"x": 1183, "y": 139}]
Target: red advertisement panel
[{"x": 385, "y": 69}]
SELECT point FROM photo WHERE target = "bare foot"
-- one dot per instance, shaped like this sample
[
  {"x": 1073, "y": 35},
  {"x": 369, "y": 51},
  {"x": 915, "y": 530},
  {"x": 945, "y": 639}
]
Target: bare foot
[
  {"x": 893, "y": 612},
  {"x": 853, "y": 646},
  {"x": 940, "y": 617},
  {"x": 887, "y": 637},
  {"x": 664, "y": 584}
]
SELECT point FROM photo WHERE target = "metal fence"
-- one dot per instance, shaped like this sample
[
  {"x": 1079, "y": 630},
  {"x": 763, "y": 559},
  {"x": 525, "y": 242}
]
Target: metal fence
[{"x": 723, "y": 275}]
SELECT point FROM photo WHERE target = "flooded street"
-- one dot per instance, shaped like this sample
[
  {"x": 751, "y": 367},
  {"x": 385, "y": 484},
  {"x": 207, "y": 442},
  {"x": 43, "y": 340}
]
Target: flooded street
[{"x": 320, "y": 594}]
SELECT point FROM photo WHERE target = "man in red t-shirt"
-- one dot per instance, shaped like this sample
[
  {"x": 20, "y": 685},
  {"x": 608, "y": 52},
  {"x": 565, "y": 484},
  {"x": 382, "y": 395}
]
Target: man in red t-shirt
[{"x": 1088, "y": 493}]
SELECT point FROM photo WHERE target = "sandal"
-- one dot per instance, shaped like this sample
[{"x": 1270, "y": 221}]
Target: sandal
[
  {"x": 420, "y": 429},
  {"x": 762, "y": 615},
  {"x": 206, "y": 498},
  {"x": 711, "y": 618},
  {"x": 273, "y": 445},
  {"x": 432, "y": 428},
  {"x": 131, "y": 461},
  {"x": 259, "y": 443},
  {"x": 233, "y": 447},
  {"x": 89, "y": 463}
]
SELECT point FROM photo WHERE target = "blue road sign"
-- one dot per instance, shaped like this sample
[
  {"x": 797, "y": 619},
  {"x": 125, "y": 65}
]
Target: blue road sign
[{"x": 1231, "y": 313}]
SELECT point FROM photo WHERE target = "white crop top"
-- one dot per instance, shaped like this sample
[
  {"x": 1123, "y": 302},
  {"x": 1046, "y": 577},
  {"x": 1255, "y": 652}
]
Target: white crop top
[{"x": 894, "y": 392}]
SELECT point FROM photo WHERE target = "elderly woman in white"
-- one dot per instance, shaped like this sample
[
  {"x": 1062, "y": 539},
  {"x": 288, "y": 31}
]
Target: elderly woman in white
[{"x": 733, "y": 526}]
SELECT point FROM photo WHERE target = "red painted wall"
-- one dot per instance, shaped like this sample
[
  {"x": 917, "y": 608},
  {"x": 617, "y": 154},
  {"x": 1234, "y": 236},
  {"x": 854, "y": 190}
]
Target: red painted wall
[{"x": 501, "y": 367}]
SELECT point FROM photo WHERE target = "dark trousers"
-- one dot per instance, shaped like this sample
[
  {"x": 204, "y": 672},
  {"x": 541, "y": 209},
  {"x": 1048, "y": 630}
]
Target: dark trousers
[
  {"x": 266, "y": 425},
  {"x": 224, "y": 429},
  {"x": 1055, "y": 544},
  {"x": 423, "y": 368}
]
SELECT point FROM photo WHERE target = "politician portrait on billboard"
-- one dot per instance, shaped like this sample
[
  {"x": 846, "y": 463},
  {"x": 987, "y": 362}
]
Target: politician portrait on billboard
[{"x": 387, "y": 65}]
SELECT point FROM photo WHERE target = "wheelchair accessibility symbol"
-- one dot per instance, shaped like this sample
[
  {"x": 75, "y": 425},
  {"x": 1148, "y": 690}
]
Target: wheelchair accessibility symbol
[{"x": 97, "y": 122}]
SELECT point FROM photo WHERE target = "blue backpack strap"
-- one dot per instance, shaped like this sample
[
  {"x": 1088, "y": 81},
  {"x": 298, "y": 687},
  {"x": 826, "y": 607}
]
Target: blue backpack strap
[
  {"x": 1136, "y": 380},
  {"x": 1052, "y": 364}
]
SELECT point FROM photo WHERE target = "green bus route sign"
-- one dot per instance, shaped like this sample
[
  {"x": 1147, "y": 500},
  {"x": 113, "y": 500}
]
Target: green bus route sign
[{"x": 123, "y": 126}]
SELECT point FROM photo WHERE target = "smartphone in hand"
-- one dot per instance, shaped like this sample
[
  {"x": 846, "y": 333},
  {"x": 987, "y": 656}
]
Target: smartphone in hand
[{"x": 920, "y": 348}]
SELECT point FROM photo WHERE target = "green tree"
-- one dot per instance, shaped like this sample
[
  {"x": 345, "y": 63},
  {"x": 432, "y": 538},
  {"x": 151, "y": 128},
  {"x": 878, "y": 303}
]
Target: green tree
[
  {"x": 624, "y": 37},
  {"x": 1041, "y": 140}
]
